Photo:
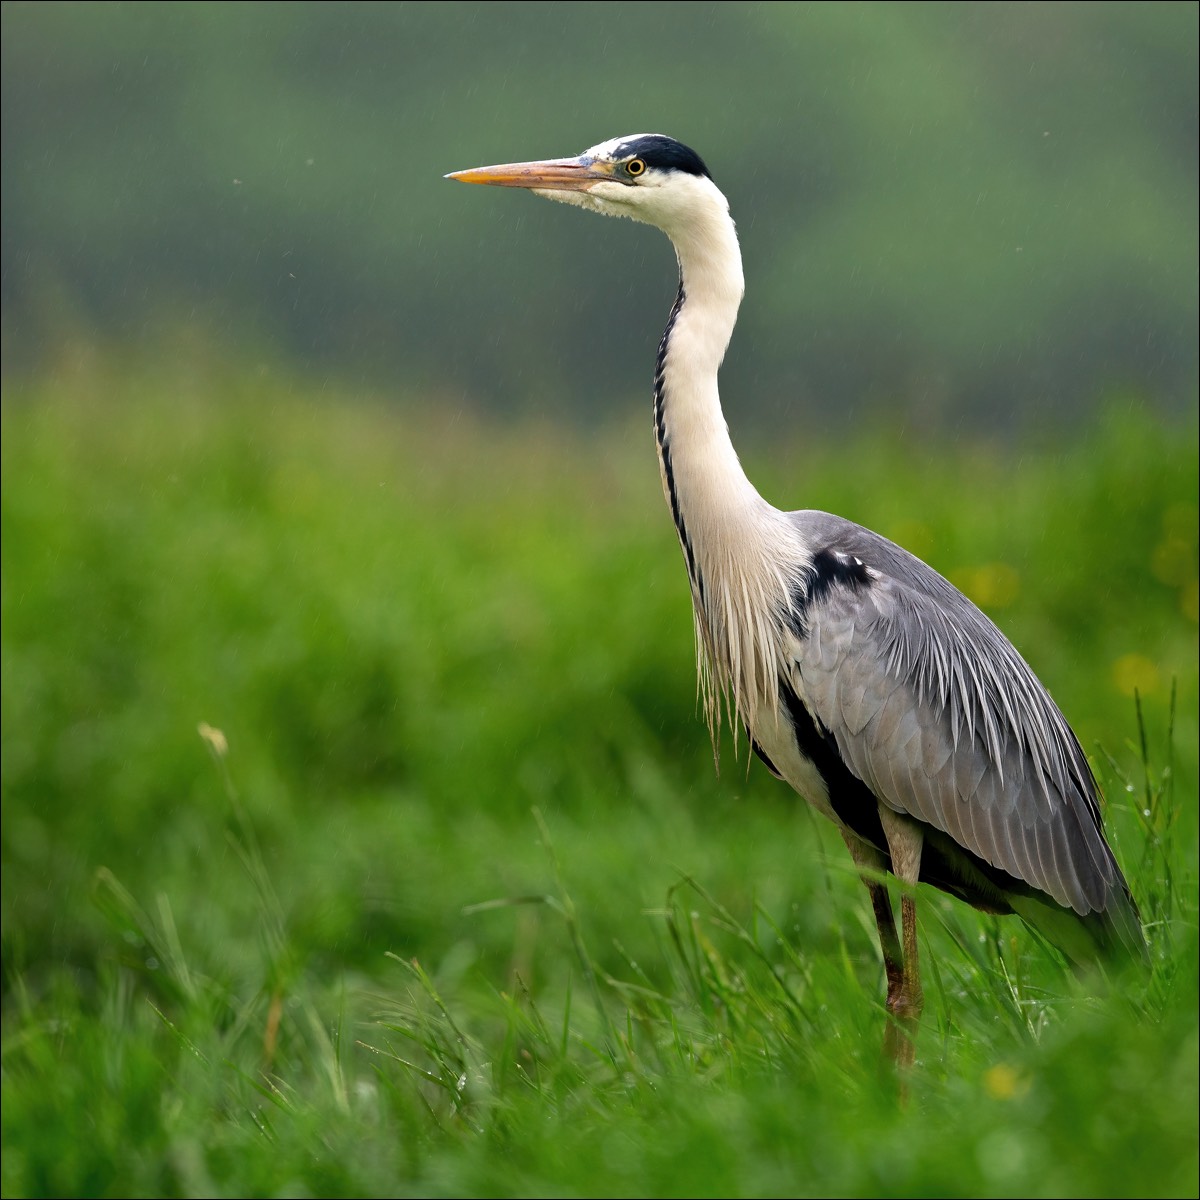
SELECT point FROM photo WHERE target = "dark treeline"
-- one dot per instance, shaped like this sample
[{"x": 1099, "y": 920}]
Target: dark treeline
[{"x": 950, "y": 210}]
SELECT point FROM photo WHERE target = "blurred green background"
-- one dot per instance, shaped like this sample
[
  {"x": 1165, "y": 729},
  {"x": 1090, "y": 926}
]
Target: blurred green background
[
  {"x": 344, "y": 628},
  {"x": 957, "y": 212}
]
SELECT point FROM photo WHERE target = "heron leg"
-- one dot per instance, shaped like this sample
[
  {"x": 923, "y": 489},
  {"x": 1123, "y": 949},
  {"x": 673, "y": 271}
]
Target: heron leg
[
  {"x": 889, "y": 943},
  {"x": 868, "y": 859},
  {"x": 905, "y": 997}
]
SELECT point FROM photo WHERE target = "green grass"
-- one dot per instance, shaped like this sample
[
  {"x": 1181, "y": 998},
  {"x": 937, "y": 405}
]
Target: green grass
[{"x": 454, "y": 902}]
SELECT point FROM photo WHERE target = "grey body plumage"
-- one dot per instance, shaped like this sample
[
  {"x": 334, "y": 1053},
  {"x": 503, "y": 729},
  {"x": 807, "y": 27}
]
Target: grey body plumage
[
  {"x": 930, "y": 706},
  {"x": 862, "y": 677}
]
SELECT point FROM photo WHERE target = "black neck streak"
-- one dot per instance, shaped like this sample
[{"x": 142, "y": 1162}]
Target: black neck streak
[{"x": 663, "y": 437}]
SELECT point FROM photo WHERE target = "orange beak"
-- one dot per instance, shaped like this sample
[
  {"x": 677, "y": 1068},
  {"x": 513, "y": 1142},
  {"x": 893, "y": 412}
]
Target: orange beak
[{"x": 552, "y": 174}]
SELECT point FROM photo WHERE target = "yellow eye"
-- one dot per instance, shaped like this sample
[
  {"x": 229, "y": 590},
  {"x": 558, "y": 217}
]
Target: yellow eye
[{"x": 635, "y": 167}]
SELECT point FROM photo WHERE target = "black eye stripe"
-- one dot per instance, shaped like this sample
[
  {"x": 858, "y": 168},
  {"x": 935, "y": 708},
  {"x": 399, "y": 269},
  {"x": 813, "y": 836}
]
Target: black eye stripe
[{"x": 660, "y": 153}]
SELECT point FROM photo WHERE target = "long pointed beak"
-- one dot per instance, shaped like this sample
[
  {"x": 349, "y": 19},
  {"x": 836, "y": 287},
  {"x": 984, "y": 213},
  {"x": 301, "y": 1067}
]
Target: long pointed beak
[{"x": 552, "y": 174}]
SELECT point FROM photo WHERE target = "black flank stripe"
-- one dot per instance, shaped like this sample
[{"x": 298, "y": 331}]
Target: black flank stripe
[
  {"x": 851, "y": 799},
  {"x": 944, "y": 864}
]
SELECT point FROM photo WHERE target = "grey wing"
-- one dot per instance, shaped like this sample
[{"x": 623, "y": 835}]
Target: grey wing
[{"x": 936, "y": 712}]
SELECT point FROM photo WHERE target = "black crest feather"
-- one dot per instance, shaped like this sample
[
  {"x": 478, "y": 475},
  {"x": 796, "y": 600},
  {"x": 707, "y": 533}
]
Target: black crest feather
[{"x": 664, "y": 154}]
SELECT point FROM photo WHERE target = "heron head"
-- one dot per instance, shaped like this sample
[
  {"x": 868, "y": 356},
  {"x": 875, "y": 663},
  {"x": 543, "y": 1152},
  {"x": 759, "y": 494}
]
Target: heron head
[{"x": 645, "y": 176}]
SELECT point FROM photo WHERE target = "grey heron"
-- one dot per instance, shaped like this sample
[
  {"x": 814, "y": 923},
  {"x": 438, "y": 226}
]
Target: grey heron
[{"x": 863, "y": 678}]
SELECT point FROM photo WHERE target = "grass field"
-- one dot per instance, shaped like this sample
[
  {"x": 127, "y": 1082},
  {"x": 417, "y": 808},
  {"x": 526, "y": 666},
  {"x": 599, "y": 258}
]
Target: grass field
[{"x": 360, "y": 835}]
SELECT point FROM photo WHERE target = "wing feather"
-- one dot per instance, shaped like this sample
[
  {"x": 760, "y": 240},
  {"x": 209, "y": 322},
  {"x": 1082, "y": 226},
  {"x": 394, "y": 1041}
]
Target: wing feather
[{"x": 932, "y": 708}]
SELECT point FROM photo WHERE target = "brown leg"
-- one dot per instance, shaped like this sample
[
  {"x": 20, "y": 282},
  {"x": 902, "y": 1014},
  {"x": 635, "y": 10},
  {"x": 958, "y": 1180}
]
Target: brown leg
[
  {"x": 889, "y": 943},
  {"x": 868, "y": 858},
  {"x": 905, "y": 998}
]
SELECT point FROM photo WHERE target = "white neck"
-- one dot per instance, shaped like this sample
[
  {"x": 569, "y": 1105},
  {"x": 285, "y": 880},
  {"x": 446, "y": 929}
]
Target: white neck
[
  {"x": 738, "y": 548},
  {"x": 708, "y": 474}
]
